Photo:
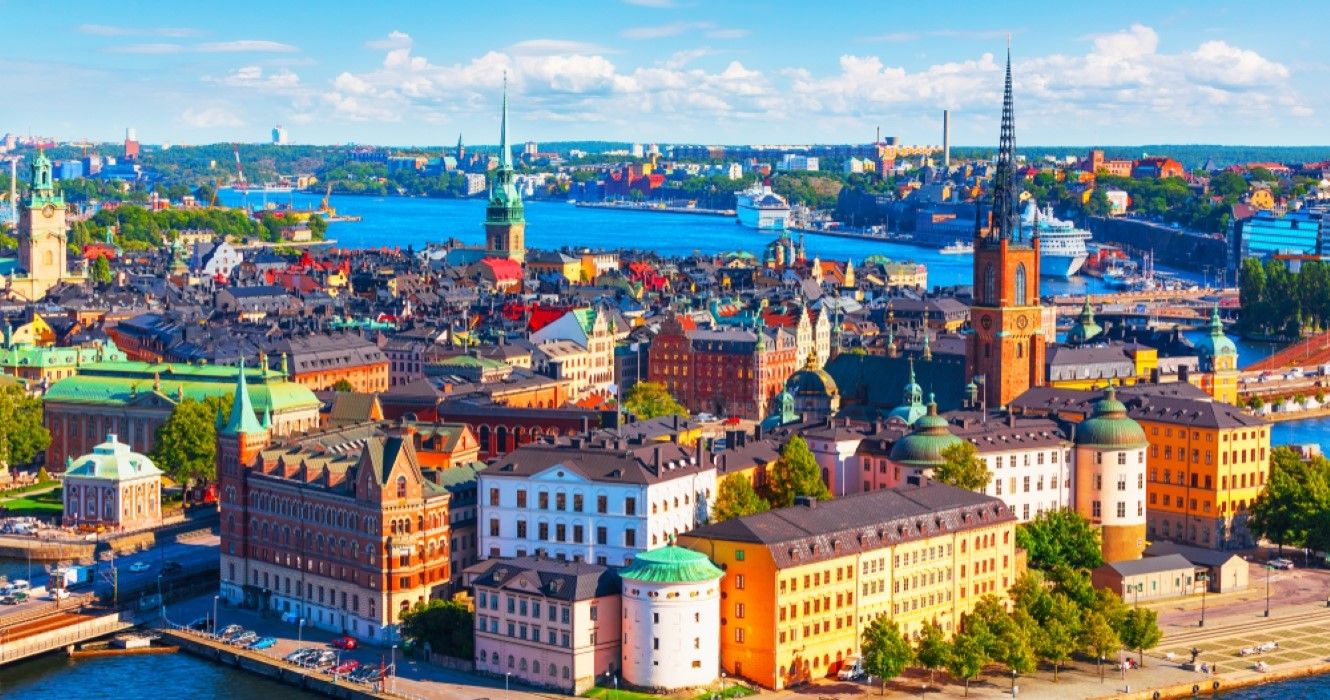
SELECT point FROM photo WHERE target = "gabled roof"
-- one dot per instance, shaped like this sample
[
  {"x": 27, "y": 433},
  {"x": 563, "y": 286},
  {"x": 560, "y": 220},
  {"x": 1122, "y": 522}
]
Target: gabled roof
[
  {"x": 1150, "y": 565},
  {"x": 553, "y": 579}
]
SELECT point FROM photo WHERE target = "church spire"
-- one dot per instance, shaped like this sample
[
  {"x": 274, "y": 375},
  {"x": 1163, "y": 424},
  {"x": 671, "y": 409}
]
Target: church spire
[
  {"x": 1006, "y": 219},
  {"x": 506, "y": 156},
  {"x": 242, "y": 409}
]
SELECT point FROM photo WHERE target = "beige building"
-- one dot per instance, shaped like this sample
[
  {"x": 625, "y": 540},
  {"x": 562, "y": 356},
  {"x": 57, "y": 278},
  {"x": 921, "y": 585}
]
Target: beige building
[
  {"x": 42, "y": 245},
  {"x": 1152, "y": 578},
  {"x": 113, "y": 487}
]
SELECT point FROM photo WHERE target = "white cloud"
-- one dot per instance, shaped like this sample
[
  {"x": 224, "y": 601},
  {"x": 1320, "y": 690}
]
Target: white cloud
[
  {"x": 111, "y": 30},
  {"x": 246, "y": 46},
  {"x": 652, "y": 3},
  {"x": 210, "y": 118},
  {"x": 395, "y": 40},
  {"x": 159, "y": 48},
  {"x": 253, "y": 76},
  {"x": 661, "y": 31}
]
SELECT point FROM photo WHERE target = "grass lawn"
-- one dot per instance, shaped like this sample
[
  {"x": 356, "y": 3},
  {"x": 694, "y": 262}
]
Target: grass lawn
[
  {"x": 733, "y": 691},
  {"x": 47, "y": 503},
  {"x": 29, "y": 488}
]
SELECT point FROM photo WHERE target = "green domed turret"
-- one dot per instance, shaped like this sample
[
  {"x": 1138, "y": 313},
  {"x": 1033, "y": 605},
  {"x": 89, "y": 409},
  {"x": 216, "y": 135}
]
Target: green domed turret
[
  {"x": 1215, "y": 345},
  {"x": 924, "y": 445},
  {"x": 671, "y": 564},
  {"x": 1085, "y": 327},
  {"x": 1110, "y": 427},
  {"x": 911, "y": 407}
]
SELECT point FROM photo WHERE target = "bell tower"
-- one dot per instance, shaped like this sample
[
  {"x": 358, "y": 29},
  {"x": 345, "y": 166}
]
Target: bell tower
[
  {"x": 505, "y": 222},
  {"x": 41, "y": 230},
  {"x": 1006, "y": 343}
]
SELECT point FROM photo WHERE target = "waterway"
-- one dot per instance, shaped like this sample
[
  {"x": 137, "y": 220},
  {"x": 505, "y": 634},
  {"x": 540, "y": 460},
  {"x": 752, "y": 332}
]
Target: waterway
[{"x": 137, "y": 678}]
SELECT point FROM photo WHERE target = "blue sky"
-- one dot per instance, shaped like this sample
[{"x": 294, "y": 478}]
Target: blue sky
[{"x": 1126, "y": 72}]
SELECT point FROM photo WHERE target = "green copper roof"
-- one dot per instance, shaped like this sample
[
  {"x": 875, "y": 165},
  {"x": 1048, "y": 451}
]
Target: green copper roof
[
  {"x": 1085, "y": 327},
  {"x": 242, "y": 409},
  {"x": 671, "y": 564},
  {"x": 23, "y": 355},
  {"x": 1110, "y": 427},
  {"x": 1216, "y": 343},
  {"x": 469, "y": 361},
  {"x": 120, "y": 383},
  {"x": 924, "y": 445},
  {"x": 505, "y": 205},
  {"x": 112, "y": 460}
]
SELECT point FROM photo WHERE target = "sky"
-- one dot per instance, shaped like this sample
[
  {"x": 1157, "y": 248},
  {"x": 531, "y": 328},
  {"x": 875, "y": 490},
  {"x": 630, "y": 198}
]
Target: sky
[{"x": 666, "y": 71}]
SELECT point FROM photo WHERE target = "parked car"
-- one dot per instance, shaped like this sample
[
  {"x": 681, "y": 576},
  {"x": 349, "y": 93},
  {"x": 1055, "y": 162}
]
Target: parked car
[
  {"x": 295, "y": 656},
  {"x": 374, "y": 676},
  {"x": 263, "y": 643},
  {"x": 344, "y": 668},
  {"x": 230, "y": 631},
  {"x": 322, "y": 659},
  {"x": 139, "y": 567},
  {"x": 360, "y": 674},
  {"x": 345, "y": 641},
  {"x": 1281, "y": 564},
  {"x": 57, "y": 594},
  {"x": 12, "y": 599},
  {"x": 852, "y": 669},
  {"x": 244, "y": 638}
]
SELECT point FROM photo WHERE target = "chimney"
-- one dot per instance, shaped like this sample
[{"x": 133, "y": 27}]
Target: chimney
[
  {"x": 586, "y": 424},
  {"x": 805, "y": 501},
  {"x": 655, "y": 457},
  {"x": 1011, "y": 419},
  {"x": 675, "y": 422},
  {"x": 946, "y": 139}
]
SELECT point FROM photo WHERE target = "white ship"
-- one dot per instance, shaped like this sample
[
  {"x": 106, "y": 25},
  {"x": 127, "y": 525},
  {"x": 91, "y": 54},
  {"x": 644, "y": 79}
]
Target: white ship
[
  {"x": 1062, "y": 249},
  {"x": 760, "y": 208},
  {"x": 958, "y": 248}
]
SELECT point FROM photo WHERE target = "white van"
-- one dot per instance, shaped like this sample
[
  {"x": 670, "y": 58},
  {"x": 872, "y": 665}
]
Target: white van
[{"x": 852, "y": 669}]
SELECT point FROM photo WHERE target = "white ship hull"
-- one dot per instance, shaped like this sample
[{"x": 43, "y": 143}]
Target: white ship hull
[
  {"x": 761, "y": 218},
  {"x": 1058, "y": 264}
]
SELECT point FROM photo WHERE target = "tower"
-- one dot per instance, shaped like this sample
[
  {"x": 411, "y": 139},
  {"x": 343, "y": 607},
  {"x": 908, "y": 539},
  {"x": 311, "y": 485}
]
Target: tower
[
  {"x": 505, "y": 223},
  {"x": 41, "y": 230},
  {"x": 1006, "y": 343},
  {"x": 1218, "y": 362},
  {"x": 239, "y": 442}
]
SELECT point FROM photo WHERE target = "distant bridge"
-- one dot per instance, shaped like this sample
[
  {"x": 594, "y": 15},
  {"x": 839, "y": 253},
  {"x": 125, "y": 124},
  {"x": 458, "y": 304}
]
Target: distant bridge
[{"x": 1311, "y": 352}]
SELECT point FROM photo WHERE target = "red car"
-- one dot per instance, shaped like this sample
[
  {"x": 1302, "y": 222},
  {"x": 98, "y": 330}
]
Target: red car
[
  {"x": 345, "y": 642},
  {"x": 345, "y": 667}
]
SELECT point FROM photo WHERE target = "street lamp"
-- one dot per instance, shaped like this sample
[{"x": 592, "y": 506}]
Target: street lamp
[
  {"x": 300, "y": 632},
  {"x": 616, "y": 685},
  {"x": 214, "y": 614},
  {"x": 505, "y": 684},
  {"x": 392, "y": 667},
  {"x": 722, "y": 684},
  {"x": 1267, "y": 589},
  {"x": 1205, "y": 582},
  {"x": 1013, "y": 682}
]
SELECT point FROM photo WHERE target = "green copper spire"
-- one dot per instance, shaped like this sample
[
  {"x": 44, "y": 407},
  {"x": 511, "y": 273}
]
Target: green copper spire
[
  {"x": 505, "y": 205},
  {"x": 43, "y": 187},
  {"x": 242, "y": 409},
  {"x": 505, "y": 154}
]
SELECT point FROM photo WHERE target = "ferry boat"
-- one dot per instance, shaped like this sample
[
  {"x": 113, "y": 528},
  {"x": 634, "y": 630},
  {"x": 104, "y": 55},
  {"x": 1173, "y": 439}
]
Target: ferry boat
[
  {"x": 958, "y": 248},
  {"x": 1062, "y": 249},
  {"x": 762, "y": 209}
]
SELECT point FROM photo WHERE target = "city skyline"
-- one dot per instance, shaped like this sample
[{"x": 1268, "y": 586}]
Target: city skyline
[{"x": 666, "y": 71}]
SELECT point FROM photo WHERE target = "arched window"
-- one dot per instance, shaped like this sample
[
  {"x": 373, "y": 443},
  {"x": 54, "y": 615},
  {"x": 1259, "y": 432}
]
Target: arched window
[
  {"x": 1020, "y": 284},
  {"x": 401, "y": 487},
  {"x": 990, "y": 284}
]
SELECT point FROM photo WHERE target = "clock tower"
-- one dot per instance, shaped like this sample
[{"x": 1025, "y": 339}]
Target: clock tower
[
  {"x": 1006, "y": 343},
  {"x": 41, "y": 233},
  {"x": 505, "y": 223}
]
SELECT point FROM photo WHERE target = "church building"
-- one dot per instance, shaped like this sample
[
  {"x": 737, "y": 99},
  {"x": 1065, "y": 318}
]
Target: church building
[{"x": 42, "y": 245}]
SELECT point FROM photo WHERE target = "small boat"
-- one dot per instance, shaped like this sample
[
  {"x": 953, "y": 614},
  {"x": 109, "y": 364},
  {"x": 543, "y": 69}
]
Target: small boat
[{"x": 958, "y": 248}]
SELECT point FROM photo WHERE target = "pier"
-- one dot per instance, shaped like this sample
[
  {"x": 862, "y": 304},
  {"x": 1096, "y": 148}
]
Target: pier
[{"x": 650, "y": 206}]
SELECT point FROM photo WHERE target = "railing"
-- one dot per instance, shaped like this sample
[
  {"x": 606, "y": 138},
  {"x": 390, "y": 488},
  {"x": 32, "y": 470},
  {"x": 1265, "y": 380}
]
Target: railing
[{"x": 55, "y": 639}]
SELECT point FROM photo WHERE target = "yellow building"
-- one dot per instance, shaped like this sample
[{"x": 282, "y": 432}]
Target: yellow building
[
  {"x": 1261, "y": 198},
  {"x": 35, "y": 332},
  {"x": 42, "y": 249},
  {"x": 546, "y": 263},
  {"x": 802, "y": 583}
]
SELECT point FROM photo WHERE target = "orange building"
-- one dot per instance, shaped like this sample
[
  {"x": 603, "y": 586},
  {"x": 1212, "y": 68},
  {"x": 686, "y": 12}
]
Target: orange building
[
  {"x": 320, "y": 361},
  {"x": 802, "y": 583}
]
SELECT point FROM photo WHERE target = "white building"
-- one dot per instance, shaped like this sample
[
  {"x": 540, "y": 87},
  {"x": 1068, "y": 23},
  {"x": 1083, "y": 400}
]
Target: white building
[
  {"x": 599, "y": 500},
  {"x": 113, "y": 487},
  {"x": 279, "y": 136},
  {"x": 796, "y": 162},
  {"x": 593, "y": 330},
  {"x": 671, "y": 620}
]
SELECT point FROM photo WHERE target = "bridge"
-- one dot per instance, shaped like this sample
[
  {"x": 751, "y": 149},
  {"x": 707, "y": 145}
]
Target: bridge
[
  {"x": 1183, "y": 307},
  {"x": 1311, "y": 352}
]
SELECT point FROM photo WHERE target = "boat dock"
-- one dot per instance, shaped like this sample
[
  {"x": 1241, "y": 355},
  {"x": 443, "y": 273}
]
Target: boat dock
[
  {"x": 648, "y": 206},
  {"x": 856, "y": 234}
]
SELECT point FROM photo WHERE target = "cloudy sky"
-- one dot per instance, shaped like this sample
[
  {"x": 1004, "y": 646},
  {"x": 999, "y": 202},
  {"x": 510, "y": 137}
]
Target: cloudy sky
[{"x": 694, "y": 71}]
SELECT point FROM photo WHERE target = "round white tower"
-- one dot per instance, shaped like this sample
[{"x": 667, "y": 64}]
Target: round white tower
[
  {"x": 671, "y": 619},
  {"x": 1110, "y": 477}
]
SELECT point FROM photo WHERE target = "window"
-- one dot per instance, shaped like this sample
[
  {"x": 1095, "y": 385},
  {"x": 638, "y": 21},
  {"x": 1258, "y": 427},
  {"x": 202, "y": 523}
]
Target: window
[
  {"x": 739, "y": 582},
  {"x": 630, "y": 506},
  {"x": 630, "y": 538},
  {"x": 739, "y": 635},
  {"x": 1020, "y": 284},
  {"x": 494, "y": 497},
  {"x": 401, "y": 487},
  {"x": 602, "y": 504},
  {"x": 990, "y": 285},
  {"x": 602, "y": 535},
  {"x": 494, "y": 527},
  {"x": 739, "y": 610},
  {"x": 521, "y": 499},
  {"x": 738, "y": 555},
  {"x": 1095, "y": 509},
  {"x": 1122, "y": 509}
]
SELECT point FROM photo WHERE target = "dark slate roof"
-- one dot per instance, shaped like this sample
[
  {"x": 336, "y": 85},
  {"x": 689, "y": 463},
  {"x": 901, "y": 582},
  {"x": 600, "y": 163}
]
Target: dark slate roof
[
  {"x": 803, "y": 534},
  {"x": 1195, "y": 555},
  {"x": 877, "y": 382},
  {"x": 550, "y": 578},
  {"x": 1149, "y": 565},
  {"x": 1176, "y": 402},
  {"x": 618, "y": 461},
  {"x": 322, "y": 352},
  {"x": 1007, "y": 432}
]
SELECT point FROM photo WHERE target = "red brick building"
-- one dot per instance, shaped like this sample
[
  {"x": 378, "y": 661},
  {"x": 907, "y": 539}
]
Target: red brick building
[{"x": 729, "y": 372}]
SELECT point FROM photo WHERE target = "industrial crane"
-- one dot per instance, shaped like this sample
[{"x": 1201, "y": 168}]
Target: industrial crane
[{"x": 240, "y": 183}]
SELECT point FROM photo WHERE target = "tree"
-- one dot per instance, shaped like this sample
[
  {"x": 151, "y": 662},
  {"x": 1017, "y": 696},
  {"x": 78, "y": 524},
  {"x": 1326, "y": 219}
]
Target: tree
[
  {"x": 101, "y": 270},
  {"x": 885, "y": 650},
  {"x": 961, "y": 467},
  {"x": 966, "y": 658},
  {"x": 651, "y": 399},
  {"x": 796, "y": 474},
  {"x": 1058, "y": 633},
  {"x": 444, "y": 625},
  {"x": 22, "y": 435},
  {"x": 1140, "y": 631},
  {"x": 186, "y": 444},
  {"x": 736, "y": 498},
  {"x": 932, "y": 651},
  {"x": 343, "y": 386},
  {"x": 1295, "y": 493},
  {"x": 1060, "y": 537},
  {"x": 1099, "y": 639}
]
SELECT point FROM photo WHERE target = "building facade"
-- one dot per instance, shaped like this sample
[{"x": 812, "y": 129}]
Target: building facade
[
  {"x": 113, "y": 488},
  {"x": 671, "y": 620},
  {"x": 726, "y": 372},
  {"x": 505, "y": 221}
]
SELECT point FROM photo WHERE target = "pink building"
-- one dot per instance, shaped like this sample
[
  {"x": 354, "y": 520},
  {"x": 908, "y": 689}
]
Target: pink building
[{"x": 547, "y": 622}]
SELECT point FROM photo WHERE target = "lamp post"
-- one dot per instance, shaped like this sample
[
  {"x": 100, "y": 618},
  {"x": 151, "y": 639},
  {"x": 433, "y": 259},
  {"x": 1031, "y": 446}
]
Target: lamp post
[
  {"x": 505, "y": 684},
  {"x": 1013, "y": 682},
  {"x": 300, "y": 632},
  {"x": 722, "y": 684},
  {"x": 616, "y": 685},
  {"x": 1205, "y": 588},
  {"x": 392, "y": 666},
  {"x": 1267, "y": 589},
  {"x": 213, "y": 626}
]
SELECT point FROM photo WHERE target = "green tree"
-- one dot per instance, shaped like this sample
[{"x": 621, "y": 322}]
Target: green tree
[
  {"x": 1060, "y": 536},
  {"x": 966, "y": 658},
  {"x": 22, "y": 435},
  {"x": 343, "y": 386},
  {"x": 651, "y": 399},
  {"x": 1295, "y": 492},
  {"x": 1058, "y": 633},
  {"x": 101, "y": 270},
  {"x": 1099, "y": 639},
  {"x": 932, "y": 650},
  {"x": 186, "y": 444},
  {"x": 885, "y": 650},
  {"x": 444, "y": 625},
  {"x": 796, "y": 474},
  {"x": 1140, "y": 631},
  {"x": 736, "y": 498},
  {"x": 962, "y": 467}
]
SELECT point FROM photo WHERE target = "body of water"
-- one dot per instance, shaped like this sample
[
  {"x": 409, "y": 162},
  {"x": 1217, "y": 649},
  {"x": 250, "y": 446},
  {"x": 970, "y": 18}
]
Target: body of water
[{"x": 137, "y": 678}]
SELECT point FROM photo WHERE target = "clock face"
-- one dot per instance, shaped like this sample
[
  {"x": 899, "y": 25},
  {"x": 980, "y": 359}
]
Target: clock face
[
  {"x": 48, "y": 211},
  {"x": 986, "y": 322},
  {"x": 1022, "y": 322}
]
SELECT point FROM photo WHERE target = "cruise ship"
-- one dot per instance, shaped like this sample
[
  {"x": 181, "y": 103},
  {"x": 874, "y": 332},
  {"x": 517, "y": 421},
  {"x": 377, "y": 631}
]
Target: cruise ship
[
  {"x": 1062, "y": 249},
  {"x": 760, "y": 208}
]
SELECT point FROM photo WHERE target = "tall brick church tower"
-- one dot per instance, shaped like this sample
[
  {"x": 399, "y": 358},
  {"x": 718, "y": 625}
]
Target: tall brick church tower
[
  {"x": 505, "y": 220},
  {"x": 1006, "y": 346},
  {"x": 238, "y": 445}
]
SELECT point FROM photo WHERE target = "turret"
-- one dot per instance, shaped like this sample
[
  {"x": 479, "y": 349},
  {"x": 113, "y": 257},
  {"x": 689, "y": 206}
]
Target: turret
[{"x": 242, "y": 419}]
